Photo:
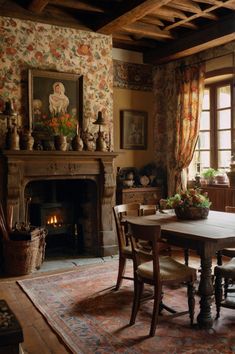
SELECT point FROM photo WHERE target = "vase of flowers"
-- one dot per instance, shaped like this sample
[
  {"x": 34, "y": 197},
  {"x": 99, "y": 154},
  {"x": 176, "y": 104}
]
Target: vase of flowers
[{"x": 190, "y": 204}]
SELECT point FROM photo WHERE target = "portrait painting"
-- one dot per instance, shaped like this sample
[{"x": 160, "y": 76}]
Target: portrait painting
[
  {"x": 55, "y": 103},
  {"x": 133, "y": 126}
]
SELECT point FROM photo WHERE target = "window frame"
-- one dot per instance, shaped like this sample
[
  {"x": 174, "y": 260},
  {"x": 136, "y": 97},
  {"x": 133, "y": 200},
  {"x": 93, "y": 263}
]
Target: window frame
[{"x": 213, "y": 111}]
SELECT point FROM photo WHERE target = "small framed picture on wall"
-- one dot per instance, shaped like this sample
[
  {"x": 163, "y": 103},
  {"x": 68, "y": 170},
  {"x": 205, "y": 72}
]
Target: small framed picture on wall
[{"x": 133, "y": 127}]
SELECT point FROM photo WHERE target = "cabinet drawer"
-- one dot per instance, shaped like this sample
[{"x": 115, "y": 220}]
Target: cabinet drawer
[{"x": 149, "y": 195}]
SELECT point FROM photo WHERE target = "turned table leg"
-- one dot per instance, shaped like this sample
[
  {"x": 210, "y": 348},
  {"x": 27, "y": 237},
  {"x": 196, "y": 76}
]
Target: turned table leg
[{"x": 205, "y": 290}]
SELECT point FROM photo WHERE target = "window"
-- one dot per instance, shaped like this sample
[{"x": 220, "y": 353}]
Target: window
[{"x": 214, "y": 145}]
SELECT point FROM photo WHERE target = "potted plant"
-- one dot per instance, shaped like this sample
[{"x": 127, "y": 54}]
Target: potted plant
[
  {"x": 190, "y": 204},
  {"x": 221, "y": 177},
  {"x": 209, "y": 175}
]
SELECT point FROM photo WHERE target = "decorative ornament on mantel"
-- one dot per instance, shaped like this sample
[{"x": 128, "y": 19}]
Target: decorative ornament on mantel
[
  {"x": 100, "y": 141},
  {"x": 77, "y": 142},
  {"x": 61, "y": 143}
]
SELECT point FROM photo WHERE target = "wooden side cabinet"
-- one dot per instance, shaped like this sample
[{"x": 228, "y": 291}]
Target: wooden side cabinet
[
  {"x": 146, "y": 195},
  {"x": 220, "y": 196}
]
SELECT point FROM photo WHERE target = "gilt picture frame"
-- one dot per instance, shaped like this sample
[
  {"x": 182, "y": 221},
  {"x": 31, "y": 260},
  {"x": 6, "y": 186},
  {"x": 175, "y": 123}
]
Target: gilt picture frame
[
  {"x": 55, "y": 103},
  {"x": 133, "y": 128}
]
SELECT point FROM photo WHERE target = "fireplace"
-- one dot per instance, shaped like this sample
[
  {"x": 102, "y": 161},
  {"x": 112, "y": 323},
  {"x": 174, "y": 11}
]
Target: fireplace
[
  {"x": 71, "y": 193},
  {"x": 68, "y": 209}
]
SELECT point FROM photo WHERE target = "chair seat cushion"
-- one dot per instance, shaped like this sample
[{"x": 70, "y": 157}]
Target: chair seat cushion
[
  {"x": 227, "y": 270},
  {"x": 170, "y": 270}
]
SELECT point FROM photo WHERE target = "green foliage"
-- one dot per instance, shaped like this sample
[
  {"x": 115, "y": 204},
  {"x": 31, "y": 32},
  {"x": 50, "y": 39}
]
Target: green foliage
[
  {"x": 209, "y": 173},
  {"x": 189, "y": 198}
]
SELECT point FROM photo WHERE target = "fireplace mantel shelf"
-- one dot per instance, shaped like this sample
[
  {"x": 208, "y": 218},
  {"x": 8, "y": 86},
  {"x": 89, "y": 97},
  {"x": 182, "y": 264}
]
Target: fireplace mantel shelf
[{"x": 42, "y": 153}]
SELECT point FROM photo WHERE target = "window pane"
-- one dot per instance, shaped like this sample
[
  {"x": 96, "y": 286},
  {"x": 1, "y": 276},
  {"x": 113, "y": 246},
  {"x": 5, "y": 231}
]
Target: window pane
[
  {"x": 192, "y": 170},
  {"x": 224, "y": 158},
  {"x": 204, "y": 140},
  {"x": 224, "y": 96},
  {"x": 224, "y": 139},
  {"x": 224, "y": 119},
  {"x": 204, "y": 157},
  {"x": 205, "y": 121},
  {"x": 206, "y": 99}
]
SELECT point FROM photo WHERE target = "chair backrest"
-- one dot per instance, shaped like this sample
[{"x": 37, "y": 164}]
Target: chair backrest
[
  {"x": 131, "y": 209},
  {"x": 148, "y": 209},
  {"x": 230, "y": 209},
  {"x": 150, "y": 234}
]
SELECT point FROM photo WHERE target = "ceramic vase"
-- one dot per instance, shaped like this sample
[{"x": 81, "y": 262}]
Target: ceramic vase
[
  {"x": 27, "y": 141},
  {"x": 61, "y": 143},
  {"x": 14, "y": 143},
  {"x": 77, "y": 143}
]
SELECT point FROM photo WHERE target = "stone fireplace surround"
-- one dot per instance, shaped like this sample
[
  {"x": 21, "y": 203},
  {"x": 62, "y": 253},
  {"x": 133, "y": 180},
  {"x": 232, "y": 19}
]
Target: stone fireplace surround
[{"x": 18, "y": 168}]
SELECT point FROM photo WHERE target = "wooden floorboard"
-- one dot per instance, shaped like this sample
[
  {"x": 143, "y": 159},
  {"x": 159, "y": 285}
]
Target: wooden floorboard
[{"x": 39, "y": 338}]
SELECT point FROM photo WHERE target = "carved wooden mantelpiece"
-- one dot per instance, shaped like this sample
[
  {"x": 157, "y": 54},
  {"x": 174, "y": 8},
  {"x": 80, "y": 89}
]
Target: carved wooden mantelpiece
[{"x": 18, "y": 168}]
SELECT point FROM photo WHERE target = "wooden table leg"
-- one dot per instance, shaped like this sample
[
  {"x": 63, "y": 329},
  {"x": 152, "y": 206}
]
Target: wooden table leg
[{"x": 205, "y": 290}]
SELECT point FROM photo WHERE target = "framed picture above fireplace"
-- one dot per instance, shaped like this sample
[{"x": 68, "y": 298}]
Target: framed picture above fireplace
[
  {"x": 133, "y": 126},
  {"x": 55, "y": 103}
]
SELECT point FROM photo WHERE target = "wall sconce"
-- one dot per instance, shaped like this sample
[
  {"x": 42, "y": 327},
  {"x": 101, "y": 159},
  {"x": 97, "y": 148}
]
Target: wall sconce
[{"x": 100, "y": 141}]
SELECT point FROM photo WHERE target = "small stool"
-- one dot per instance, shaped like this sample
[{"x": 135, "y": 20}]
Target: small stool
[
  {"x": 11, "y": 334},
  {"x": 225, "y": 296}
]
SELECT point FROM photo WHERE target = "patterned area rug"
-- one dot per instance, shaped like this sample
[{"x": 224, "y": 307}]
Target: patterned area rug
[{"x": 83, "y": 308}]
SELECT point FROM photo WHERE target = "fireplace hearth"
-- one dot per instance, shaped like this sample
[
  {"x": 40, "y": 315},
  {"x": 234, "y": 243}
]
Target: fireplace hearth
[{"x": 71, "y": 193}]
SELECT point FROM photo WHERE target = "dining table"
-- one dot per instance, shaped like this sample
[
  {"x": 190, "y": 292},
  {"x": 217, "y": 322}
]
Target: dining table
[{"x": 206, "y": 237}]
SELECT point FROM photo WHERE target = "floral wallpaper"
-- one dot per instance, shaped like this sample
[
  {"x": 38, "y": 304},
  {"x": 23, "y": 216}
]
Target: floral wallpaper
[{"x": 25, "y": 44}]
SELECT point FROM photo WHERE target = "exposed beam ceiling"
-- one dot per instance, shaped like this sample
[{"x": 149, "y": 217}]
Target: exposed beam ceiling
[{"x": 162, "y": 29}]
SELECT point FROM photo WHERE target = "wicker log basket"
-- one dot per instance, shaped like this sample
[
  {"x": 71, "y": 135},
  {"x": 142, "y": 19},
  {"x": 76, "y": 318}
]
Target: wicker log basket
[
  {"x": 23, "y": 247},
  {"x": 24, "y": 256}
]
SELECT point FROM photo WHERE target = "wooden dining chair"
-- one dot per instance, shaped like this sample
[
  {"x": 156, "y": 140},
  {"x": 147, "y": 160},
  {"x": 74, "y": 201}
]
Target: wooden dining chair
[
  {"x": 158, "y": 272},
  {"x": 228, "y": 252},
  {"x": 226, "y": 273},
  {"x": 125, "y": 252},
  {"x": 225, "y": 294},
  {"x": 151, "y": 209}
]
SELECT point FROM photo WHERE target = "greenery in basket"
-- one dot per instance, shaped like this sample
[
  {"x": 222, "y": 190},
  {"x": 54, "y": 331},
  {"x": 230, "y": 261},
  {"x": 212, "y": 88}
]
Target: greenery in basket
[{"x": 189, "y": 198}]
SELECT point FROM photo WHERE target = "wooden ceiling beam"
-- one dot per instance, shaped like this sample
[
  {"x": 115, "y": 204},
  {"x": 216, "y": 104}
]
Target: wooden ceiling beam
[
  {"x": 119, "y": 39},
  {"x": 189, "y": 25},
  {"x": 226, "y": 4},
  {"x": 151, "y": 31},
  {"x": 152, "y": 20},
  {"x": 78, "y": 5},
  {"x": 161, "y": 14},
  {"x": 210, "y": 16},
  {"x": 16, "y": 11},
  {"x": 170, "y": 12},
  {"x": 185, "y": 5},
  {"x": 131, "y": 15},
  {"x": 212, "y": 36},
  {"x": 204, "y": 13},
  {"x": 37, "y": 5}
]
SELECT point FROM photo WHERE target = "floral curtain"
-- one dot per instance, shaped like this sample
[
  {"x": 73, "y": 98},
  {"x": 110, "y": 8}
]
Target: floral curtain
[
  {"x": 178, "y": 94},
  {"x": 189, "y": 89}
]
